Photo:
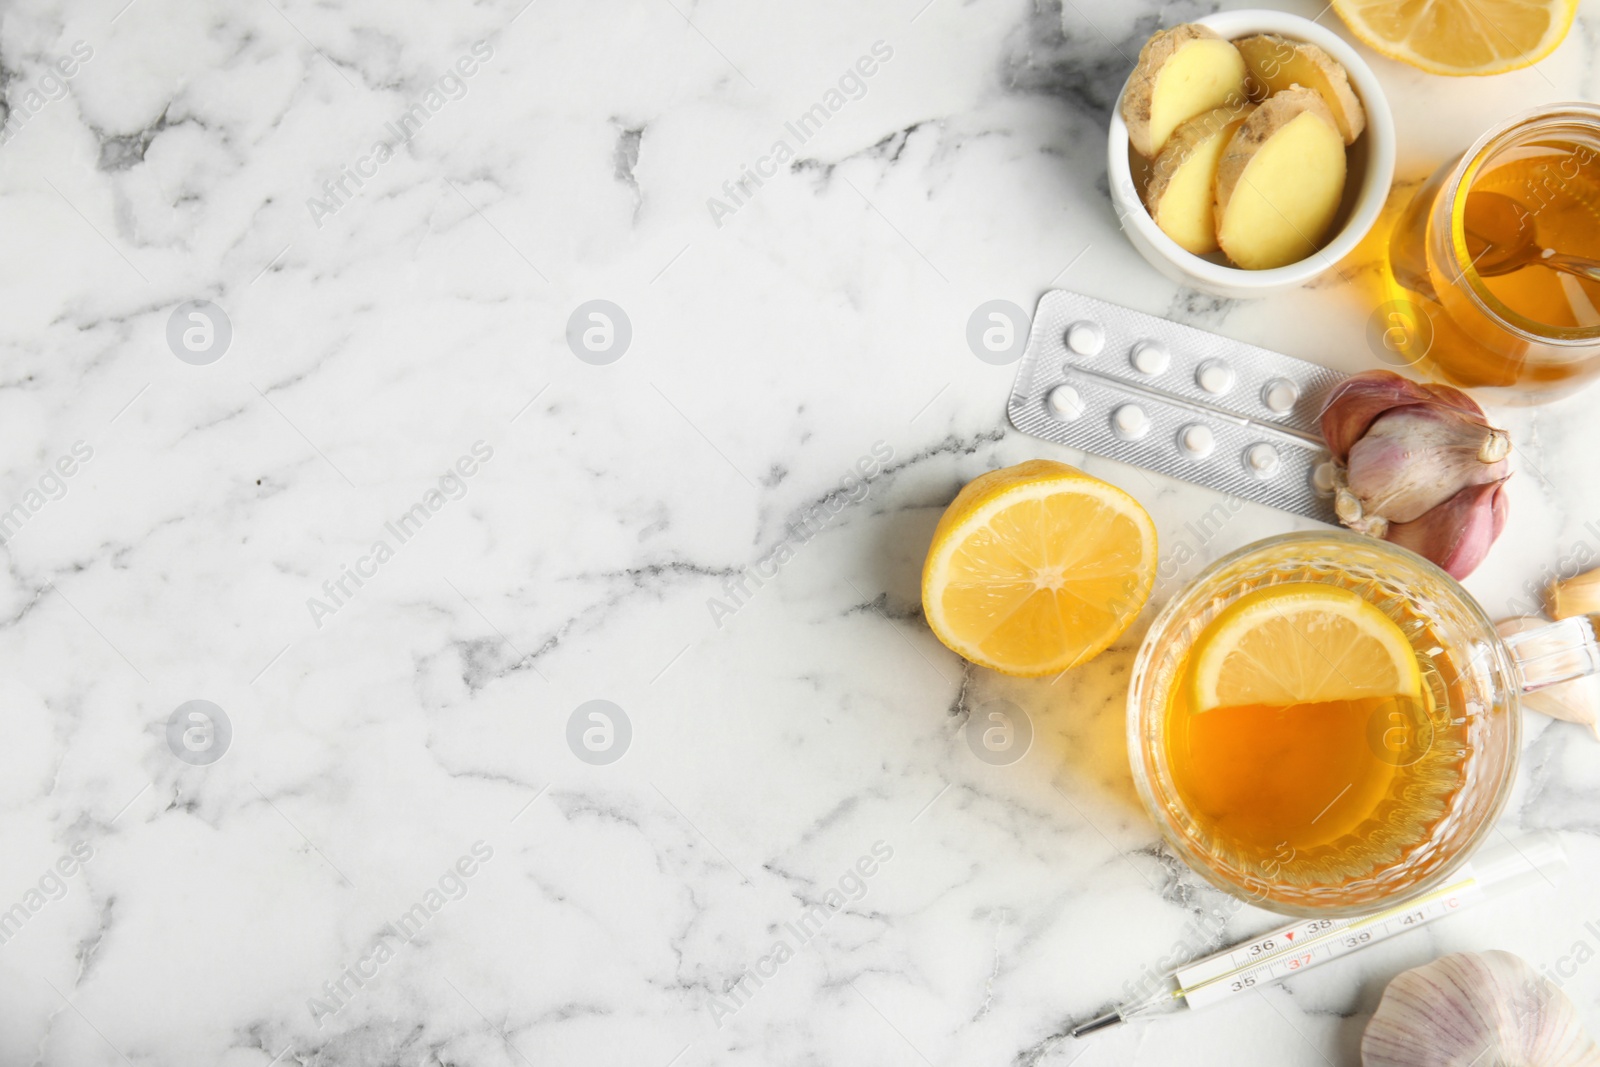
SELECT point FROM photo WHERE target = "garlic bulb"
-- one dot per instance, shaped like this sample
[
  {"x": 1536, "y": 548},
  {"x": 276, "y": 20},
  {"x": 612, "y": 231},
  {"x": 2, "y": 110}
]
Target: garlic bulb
[
  {"x": 1419, "y": 465},
  {"x": 1575, "y": 701},
  {"x": 1488, "y": 1009}
]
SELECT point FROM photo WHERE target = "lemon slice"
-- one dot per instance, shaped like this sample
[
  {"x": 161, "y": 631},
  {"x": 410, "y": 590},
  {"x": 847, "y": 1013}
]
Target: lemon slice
[
  {"x": 1037, "y": 567},
  {"x": 1460, "y": 36},
  {"x": 1299, "y": 643}
]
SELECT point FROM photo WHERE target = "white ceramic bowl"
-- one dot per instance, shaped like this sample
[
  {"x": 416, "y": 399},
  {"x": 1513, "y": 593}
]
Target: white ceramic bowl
[{"x": 1366, "y": 189}]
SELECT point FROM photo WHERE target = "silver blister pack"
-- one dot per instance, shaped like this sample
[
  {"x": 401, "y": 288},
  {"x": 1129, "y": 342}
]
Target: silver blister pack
[{"x": 1170, "y": 398}]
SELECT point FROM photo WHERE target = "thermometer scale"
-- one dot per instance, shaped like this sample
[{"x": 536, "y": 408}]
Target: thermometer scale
[{"x": 1286, "y": 952}]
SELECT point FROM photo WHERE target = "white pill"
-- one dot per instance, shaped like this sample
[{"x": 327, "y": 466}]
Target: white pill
[
  {"x": 1086, "y": 338},
  {"x": 1130, "y": 422},
  {"x": 1150, "y": 357},
  {"x": 1197, "y": 440},
  {"x": 1065, "y": 403},
  {"x": 1214, "y": 376},
  {"x": 1262, "y": 459},
  {"x": 1279, "y": 395}
]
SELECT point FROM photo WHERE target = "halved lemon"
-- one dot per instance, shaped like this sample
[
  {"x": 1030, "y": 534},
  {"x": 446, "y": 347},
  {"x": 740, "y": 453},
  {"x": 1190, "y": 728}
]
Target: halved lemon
[
  {"x": 1037, "y": 567},
  {"x": 1460, "y": 36},
  {"x": 1299, "y": 643}
]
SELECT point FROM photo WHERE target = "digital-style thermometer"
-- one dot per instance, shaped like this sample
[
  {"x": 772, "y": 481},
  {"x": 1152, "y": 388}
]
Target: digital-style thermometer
[{"x": 1286, "y": 952}]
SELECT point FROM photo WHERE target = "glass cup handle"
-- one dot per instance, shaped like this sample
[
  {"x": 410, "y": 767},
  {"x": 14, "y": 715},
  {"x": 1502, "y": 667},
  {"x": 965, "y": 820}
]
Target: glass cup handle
[{"x": 1557, "y": 653}]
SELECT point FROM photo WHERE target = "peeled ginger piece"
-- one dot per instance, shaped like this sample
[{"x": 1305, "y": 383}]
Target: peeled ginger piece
[
  {"x": 1182, "y": 72},
  {"x": 1280, "y": 181},
  {"x": 1276, "y": 63},
  {"x": 1181, "y": 194}
]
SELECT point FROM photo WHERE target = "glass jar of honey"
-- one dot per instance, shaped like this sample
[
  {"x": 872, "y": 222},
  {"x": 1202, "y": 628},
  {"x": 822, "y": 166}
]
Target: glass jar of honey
[{"x": 1497, "y": 261}]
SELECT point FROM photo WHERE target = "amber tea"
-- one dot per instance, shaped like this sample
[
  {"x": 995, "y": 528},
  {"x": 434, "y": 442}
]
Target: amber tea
[
  {"x": 1320, "y": 789},
  {"x": 1490, "y": 257},
  {"x": 1323, "y": 722}
]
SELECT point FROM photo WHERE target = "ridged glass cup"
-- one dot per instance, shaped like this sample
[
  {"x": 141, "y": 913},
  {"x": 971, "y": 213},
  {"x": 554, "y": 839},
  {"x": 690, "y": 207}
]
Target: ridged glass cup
[{"x": 1459, "y": 754}]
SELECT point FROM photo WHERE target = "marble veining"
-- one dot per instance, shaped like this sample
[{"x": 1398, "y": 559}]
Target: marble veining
[{"x": 629, "y": 744}]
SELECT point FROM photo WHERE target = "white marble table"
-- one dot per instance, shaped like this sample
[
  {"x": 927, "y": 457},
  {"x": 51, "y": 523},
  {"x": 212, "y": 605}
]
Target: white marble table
[{"x": 397, "y": 796}]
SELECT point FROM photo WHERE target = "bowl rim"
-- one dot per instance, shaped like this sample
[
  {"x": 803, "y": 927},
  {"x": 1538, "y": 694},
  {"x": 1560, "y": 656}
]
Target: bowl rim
[{"x": 1376, "y": 181}]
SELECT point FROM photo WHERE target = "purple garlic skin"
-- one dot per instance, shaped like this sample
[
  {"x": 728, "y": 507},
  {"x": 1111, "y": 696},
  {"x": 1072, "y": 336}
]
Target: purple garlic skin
[
  {"x": 1414, "y": 458},
  {"x": 1457, "y": 534},
  {"x": 1419, "y": 465},
  {"x": 1361, "y": 398}
]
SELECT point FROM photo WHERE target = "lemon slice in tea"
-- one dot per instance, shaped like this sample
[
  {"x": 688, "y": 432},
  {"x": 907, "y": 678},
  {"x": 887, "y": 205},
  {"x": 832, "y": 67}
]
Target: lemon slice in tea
[{"x": 1301, "y": 643}]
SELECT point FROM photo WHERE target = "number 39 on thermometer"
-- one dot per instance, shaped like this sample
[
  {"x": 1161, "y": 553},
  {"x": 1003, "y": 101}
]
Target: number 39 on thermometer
[
  {"x": 1286, "y": 952},
  {"x": 1294, "y": 948}
]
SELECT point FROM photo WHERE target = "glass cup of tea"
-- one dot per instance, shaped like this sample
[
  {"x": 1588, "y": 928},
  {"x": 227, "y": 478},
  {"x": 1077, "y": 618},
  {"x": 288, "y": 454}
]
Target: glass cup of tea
[
  {"x": 1497, "y": 261},
  {"x": 1377, "y": 794}
]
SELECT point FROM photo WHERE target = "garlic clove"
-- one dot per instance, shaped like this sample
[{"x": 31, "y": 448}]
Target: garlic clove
[
  {"x": 1578, "y": 595},
  {"x": 1450, "y": 396},
  {"x": 1355, "y": 403},
  {"x": 1417, "y": 464},
  {"x": 1414, "y": 458},
  {"x": 1575, "y": 701},
  {"x": 1458, "y": 533},
  {"x": 1358, "y": 401},
  {"x": 1488, "y": 1008}
]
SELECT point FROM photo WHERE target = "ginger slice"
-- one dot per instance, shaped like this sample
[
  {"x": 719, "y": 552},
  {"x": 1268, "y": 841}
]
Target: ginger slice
[
  {"x": 1181, "y": 194},
  {"x": 1280, "y": 181},
  {"x": 1182, "y": 72},
  {"x": 1276, "y": 63}
]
